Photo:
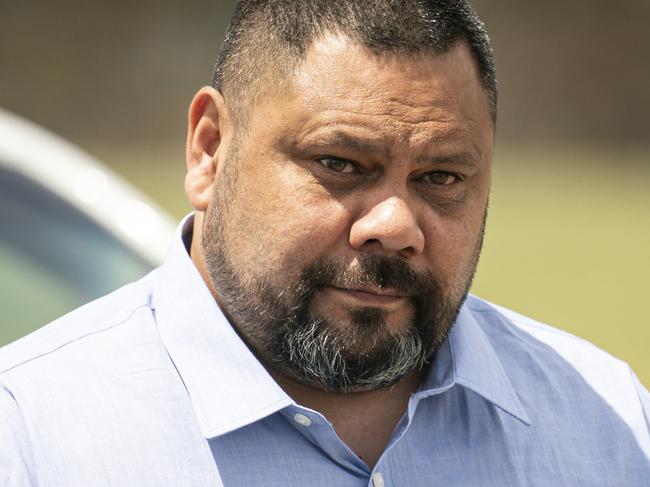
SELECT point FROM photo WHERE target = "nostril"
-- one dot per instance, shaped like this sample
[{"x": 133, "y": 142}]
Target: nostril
[
  {"x": 389, "y": 226},
  {"x": 371, "y": 245}
]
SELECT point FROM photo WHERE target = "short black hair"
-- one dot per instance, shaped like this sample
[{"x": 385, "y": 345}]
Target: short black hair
[{"x": 267, "y": 38}]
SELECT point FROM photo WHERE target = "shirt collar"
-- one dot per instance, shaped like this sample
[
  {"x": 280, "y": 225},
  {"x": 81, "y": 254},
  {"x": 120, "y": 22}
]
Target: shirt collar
[
  {"x": 469, "y": 360},
  {"x": 227, "y": 385}
]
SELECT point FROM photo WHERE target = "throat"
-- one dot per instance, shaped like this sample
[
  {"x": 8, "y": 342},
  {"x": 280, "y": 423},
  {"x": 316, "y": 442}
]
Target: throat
[
  {"x": 364, "y": 421},
  {"x": 368, "y": 435}
]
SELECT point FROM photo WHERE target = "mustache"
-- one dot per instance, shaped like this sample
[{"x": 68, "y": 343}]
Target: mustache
[{"x": 384, "y": 272}]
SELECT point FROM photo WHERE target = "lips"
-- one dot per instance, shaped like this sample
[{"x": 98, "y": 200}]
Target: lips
[
  {"x": 377, "y": 291},
  {"x": 367, "y": 296}
]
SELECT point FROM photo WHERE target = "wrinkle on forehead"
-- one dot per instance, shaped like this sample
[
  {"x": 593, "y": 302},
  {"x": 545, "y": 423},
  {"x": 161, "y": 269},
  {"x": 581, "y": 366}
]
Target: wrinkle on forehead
[
  {"x": 423, "y": 128},
  {"x": 404, "y": 125}
]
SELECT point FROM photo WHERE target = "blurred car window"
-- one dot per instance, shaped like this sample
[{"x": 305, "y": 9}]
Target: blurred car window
[{"x": 53, "y": 257}]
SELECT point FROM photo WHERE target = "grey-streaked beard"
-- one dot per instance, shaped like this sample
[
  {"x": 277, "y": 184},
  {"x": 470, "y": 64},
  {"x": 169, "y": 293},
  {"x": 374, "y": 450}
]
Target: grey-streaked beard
[
  {"x": 316, "y": 354},
  {"x": 361, "y": 354}
]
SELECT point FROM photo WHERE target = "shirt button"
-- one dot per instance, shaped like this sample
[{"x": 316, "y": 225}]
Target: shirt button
[
  {"x": 302, "y": 420},
  {"x": 378, "y": 480}
]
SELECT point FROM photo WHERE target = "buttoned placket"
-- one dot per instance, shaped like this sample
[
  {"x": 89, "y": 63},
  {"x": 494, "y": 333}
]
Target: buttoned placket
[
  {"x": 379, "y": 474},
  {"x": 320, "y": 431}
]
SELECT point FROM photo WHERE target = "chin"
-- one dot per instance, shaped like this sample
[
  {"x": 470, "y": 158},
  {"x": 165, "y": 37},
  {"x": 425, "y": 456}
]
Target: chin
[{"x": 338, "y": 388}]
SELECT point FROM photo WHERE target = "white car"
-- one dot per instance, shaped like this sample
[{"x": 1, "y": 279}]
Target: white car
[{"x": 70, "y": 229}]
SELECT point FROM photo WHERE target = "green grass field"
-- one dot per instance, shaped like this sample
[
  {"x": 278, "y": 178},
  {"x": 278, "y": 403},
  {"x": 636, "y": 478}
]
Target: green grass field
[{"x": 568, "y": 239}]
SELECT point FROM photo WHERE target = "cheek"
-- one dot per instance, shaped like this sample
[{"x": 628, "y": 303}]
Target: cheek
[
  {"x": 452, "y": 244},
  {"x": 309, "y": 228},
  {"x": 286, "y": 223}
]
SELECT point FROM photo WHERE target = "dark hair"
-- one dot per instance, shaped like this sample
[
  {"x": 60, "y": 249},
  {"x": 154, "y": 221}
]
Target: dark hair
[{"x": 267, "y": 38}]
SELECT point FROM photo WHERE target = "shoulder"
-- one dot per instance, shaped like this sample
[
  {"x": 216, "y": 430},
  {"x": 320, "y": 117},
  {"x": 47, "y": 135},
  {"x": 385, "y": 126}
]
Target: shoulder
[
  {"x": 53, "y": 377},
  {"x": 78, "y": 331}
]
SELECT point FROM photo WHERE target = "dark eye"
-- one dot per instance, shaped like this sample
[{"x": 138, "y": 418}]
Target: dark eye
[
  {"x": 441, "y": 178},
  {"x": 338, "y": 165}
]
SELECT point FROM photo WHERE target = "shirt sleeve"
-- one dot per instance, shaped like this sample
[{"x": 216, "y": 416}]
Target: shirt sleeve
[{"x": 16, "y": 459}]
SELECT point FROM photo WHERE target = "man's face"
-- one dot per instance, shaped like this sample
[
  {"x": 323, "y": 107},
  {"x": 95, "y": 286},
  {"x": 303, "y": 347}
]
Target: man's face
[{"x": 346, "y": 224}]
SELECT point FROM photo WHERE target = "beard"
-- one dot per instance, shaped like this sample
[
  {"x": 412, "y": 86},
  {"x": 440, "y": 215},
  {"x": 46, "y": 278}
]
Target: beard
[{"x": 279, "y": 324}]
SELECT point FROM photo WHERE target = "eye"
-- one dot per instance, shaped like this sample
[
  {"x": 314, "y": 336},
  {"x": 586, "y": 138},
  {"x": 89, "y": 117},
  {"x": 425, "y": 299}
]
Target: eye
[
  {"x": 338, "y": 165},
  {"x": 441, "y": 178}
]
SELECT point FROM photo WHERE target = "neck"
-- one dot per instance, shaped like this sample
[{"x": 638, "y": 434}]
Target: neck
[{"x": 365, "y": 421}]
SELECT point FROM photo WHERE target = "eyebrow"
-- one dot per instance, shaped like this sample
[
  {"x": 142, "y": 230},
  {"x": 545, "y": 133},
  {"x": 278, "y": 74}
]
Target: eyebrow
[{"x": 464, "y": 158}]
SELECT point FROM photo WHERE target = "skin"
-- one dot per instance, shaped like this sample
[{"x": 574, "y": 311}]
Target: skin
[{"x": 365, "y": 152}]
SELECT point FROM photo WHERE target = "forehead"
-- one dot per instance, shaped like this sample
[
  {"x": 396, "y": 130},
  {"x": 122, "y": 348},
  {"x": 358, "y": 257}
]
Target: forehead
[{"x": 342, "y": 86}]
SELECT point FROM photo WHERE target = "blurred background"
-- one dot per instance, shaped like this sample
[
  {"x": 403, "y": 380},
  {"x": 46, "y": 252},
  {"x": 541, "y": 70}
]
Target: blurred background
[{"x": 568, "y": 239}]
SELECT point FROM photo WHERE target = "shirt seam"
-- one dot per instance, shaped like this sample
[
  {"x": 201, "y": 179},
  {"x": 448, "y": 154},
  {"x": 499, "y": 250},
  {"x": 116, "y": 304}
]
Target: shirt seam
[
  {"x": 8, "y": 387},
  {"x": 73, "y": 340},
  {"x": 636, "y": 384}
]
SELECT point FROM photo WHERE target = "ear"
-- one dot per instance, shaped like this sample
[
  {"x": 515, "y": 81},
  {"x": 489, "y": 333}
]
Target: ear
[{"x": 209, "y": 125}]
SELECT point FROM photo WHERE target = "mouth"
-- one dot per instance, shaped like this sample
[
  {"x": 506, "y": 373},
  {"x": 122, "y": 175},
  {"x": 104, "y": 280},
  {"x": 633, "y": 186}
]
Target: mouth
[{"x": 368, "y": 296}]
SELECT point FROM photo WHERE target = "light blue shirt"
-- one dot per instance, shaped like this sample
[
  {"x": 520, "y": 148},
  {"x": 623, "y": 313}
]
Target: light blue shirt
[{"x": 151, "y": 386}]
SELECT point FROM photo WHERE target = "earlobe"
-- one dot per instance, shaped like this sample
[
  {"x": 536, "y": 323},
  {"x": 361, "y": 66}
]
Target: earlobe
[
  {"x": 199, "y": 182},
  {"x": 208, "y": 127}
]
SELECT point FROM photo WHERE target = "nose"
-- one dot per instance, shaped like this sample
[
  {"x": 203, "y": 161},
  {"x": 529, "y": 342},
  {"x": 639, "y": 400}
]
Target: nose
[{"x": 391, "y": 226}]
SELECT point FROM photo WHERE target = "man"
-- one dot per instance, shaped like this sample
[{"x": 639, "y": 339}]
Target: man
[{"x": 311, "y": 324}]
